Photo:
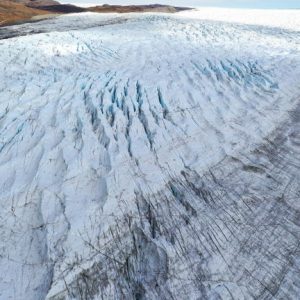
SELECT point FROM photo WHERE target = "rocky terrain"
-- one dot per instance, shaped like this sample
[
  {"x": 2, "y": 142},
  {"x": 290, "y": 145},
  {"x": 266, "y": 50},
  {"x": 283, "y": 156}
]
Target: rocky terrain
[{"x": 151, "y": 156}]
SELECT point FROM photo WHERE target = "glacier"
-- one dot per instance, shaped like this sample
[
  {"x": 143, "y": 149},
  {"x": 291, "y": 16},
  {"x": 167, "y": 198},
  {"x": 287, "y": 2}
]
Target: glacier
[{"x": 151, "y": 156}]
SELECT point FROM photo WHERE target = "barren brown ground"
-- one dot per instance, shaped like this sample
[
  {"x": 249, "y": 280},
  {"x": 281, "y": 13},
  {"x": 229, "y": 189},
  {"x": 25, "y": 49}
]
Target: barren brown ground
[{"x": 11, "y": 12}]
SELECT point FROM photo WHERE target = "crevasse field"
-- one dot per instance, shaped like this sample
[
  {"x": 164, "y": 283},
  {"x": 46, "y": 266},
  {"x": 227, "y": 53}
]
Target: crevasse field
[{"x": 151, "y": 156}]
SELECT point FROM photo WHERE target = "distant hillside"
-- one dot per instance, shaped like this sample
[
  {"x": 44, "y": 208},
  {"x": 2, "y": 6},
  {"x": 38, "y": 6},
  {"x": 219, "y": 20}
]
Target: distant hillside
[
  {"x": 36, "y": 3},
  {"x": 136, "y": 8},
  {"x": 63, "y": 8},
  {"x": 66, "y": 8},
  {"x": 12, "y": 12}
]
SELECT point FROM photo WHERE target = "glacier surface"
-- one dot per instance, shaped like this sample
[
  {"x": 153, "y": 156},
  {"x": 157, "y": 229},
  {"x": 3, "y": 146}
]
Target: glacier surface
[{"x": 151, "y": 156}]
